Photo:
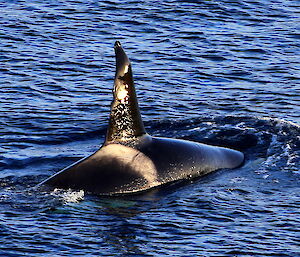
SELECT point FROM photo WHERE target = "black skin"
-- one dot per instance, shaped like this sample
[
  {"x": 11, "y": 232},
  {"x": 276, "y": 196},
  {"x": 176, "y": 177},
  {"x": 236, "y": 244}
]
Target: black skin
[
  {"x": 125, "y": 118},
  {"x": 130, "y": 160}
]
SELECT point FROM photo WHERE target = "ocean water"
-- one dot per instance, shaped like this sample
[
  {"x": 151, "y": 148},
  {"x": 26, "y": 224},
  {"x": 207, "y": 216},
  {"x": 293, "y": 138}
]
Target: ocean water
[{"x": 219, "y": 72}]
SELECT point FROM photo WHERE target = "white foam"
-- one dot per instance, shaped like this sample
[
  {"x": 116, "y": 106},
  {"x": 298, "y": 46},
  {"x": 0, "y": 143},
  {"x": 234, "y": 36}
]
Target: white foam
[{"x": 69, "y": 196}]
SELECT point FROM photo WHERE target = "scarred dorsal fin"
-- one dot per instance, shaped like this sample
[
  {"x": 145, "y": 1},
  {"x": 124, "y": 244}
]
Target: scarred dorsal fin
[{"x": 125, "y": 119}]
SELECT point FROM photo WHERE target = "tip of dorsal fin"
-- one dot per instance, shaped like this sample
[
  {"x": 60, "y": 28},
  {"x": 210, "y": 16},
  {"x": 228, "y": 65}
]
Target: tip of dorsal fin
[{"x": 125, "y": 121}]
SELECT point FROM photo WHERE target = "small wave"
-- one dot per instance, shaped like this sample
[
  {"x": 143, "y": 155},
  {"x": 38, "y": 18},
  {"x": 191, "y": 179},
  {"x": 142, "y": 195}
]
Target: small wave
[{"x": 69, "y": 196}]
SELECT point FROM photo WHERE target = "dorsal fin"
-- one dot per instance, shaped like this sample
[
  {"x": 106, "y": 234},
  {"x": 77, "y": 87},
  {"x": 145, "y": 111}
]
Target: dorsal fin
[{"x": 125, "y": 119}]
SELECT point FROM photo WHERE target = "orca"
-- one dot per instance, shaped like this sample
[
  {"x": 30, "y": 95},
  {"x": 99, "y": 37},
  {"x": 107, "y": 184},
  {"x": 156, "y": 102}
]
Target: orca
[{"x": 130, "y": 160}]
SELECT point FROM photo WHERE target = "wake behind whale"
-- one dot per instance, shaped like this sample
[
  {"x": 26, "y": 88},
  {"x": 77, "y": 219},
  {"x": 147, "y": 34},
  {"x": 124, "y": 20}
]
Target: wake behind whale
[{"x": 130, "y": 160}]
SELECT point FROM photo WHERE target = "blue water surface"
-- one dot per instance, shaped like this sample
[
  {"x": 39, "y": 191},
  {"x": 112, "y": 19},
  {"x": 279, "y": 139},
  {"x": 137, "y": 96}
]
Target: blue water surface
[{"x": 219, "y": 72}]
